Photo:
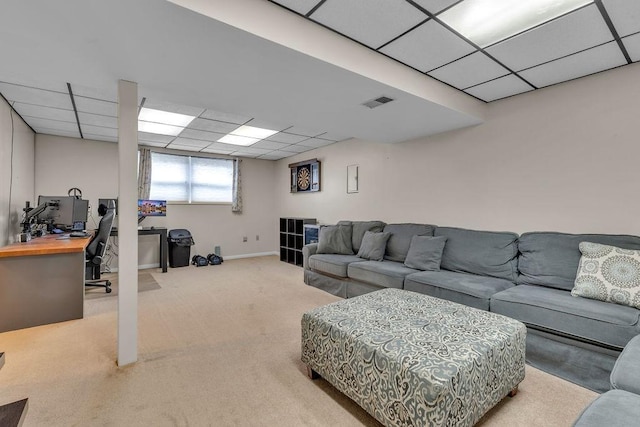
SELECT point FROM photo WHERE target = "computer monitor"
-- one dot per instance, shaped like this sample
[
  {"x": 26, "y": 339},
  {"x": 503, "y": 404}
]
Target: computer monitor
[
  {"x": 63, "y": 210},
  {"x": 151, "y": 208}
]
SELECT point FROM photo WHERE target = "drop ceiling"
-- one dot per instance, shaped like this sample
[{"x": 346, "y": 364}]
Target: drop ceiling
[{"x": 61, "y": 65}]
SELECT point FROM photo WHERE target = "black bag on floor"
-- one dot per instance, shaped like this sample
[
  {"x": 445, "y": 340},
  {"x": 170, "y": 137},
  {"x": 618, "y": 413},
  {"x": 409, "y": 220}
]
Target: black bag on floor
[
  {"x": 214, "y": 259},
  {"x": 199, "y": 261}
]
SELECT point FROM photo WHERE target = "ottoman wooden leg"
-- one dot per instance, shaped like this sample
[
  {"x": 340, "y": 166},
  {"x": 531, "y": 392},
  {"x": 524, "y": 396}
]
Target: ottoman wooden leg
[
  {"x": 312, "y": 374},
  {"x": 513, "y": 392}
]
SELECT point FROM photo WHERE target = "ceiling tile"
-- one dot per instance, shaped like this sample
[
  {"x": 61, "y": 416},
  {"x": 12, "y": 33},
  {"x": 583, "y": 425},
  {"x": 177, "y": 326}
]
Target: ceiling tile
[
  {"x": 99, "y": 137},
  {"x": 632, "y": 43},
  {"x": 224, "y": 117},
  {"x": 44, "y": 112},
  {"x": 212, "y": 126},
  {"x": 152, "y": 144},
  {"x": 37, "y": 84},
  {"x": 221, "y": 146},
  {"x": 571, "y": 67},
  {"x": 251, "y": 150},
  {"x": 435, "y": 6},
  {"x": 427, "y": 47},
  {"x": 264, "y": 124},
  {"x": 99, "y": 130},
  {"x": 286, "y": 138},
  {"x": 38, "y": 124},
  {"x": 276, "y": 155},
  {"x": 95, "y": 106},
  {"x": 469, "y": 71},
  {"x": 183, "y": 147},
  {"x": 625, "y": 15},
  {"x": 333, "y": 136},
  {"x": 499, "y": 88},
  {"x": 569, "y": 34},
  {"x": 301, "y": 6},
  {"x": 216, "y": 150},
  {"x": 371, "y": 22},
  {"x": 315, "y": 142},
  {"x": 98, "y": 120},
  {"x": 200, "y": 134},
  {"x": 33, "y": 96},
  {"x": 271, "y": 145},
  {"x": 96, "y": 93},
  {"x": 296, "y": 148},
  {"x": 154, "y": 137},
  {"x": 173, "y": 108},
  {"x": 190, "y": 142},
  {"x": 58, "y": 132},
  {"x": 297, "y": 130}
]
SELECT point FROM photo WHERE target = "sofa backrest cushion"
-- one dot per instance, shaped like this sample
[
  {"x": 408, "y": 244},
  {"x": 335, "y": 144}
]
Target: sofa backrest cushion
[
  {"x": 335, "y": 239},
  {"x": 358, "y": 228},
  {"x": 551, "y": 259},
  {"x": 486, "y": 253},
  {"x": 400, "y": 239}
]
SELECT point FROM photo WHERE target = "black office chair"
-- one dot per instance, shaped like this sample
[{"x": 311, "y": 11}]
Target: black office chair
[{"x": 96, "y": 249}]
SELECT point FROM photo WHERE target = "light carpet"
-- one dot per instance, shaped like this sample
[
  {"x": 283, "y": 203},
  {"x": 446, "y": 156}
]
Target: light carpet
[
  {"x": 146, "y": 282},
  {"x": 218, "y": 346}
]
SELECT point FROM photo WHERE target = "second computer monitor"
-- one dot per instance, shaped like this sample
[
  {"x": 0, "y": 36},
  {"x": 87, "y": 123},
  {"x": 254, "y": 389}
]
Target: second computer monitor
[{"x": 152, "y": 208}]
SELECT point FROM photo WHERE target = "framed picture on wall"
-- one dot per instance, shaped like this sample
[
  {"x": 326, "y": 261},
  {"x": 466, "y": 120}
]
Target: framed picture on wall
[{"x": 352, "y": 179}]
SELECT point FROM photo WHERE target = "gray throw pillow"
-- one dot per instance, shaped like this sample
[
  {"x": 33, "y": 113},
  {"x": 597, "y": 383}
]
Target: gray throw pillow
[
  {"x": 425, "y": 253},
  {"x": 335, "y": 239},
  {"x": 373, "y": 245}
]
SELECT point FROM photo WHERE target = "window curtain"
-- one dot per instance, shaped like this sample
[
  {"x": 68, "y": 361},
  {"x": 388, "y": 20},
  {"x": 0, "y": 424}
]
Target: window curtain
[
  {"x": 144, "y": 174},
  {"x": 236, "y": 204}
]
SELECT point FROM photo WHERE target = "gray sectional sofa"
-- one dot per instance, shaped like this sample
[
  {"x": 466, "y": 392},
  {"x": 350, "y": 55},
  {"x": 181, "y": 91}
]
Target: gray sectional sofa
[{"x": 527, "y": 277}]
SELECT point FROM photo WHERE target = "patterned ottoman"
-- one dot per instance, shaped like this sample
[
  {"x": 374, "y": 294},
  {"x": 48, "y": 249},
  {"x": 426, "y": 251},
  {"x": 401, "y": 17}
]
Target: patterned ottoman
[{"x": 413, "y": 360}]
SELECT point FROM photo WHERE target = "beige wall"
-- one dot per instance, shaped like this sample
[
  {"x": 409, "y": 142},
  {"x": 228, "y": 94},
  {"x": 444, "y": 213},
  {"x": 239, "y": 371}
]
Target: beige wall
[
  {"x": 92, "y": 166},
  {"x": 16, "y": 171},
  {"x": 562, "y": 158}
]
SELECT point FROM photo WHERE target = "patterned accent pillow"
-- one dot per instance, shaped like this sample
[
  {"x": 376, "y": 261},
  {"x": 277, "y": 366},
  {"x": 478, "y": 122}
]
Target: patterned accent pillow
[{"x": 608, "y": 273}]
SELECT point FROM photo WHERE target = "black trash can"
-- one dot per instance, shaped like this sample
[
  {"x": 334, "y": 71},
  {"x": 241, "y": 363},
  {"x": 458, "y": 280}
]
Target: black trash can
[{"x": 180, "y": 242}]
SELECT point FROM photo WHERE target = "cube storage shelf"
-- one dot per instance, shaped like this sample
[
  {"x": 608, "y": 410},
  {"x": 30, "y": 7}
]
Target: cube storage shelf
[{"x": 292, "y": 239}]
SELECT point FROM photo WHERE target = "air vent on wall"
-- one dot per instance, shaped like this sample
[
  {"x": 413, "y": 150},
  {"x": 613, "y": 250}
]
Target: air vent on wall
[{"x": 377, "y": 102}]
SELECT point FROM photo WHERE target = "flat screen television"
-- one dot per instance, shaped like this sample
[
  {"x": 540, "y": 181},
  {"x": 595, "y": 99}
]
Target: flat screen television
[{"x": 152, "y": 208}]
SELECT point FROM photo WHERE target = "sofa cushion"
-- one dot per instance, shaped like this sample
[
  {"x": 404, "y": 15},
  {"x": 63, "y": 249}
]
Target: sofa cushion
[
  {"x": 626, "y": 372},
  {"x": 373, "y": 246},
  {"x": 332, "y": 264},
  {"x": 613, "y": 408},
  {"x": 551, "y": 259},
  {"x": 360, "y": 228},
  {"x": 425, "y": 253},
  {"x": 464, "y": 288},
  {"x": 335, "y": 239},
  {"x": 556, "y": 310},
  {"x": 387, "y": 274},
  {"x": 608, "y": 273},
  {"x": 486, "y": 253},
  {"x": 400, "y": 240}
]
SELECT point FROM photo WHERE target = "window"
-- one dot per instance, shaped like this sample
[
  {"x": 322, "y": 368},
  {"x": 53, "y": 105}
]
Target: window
[{"x": 190, "y": 179}]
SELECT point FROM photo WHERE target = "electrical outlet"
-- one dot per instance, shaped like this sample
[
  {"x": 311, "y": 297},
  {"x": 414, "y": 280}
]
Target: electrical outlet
[
  {"x": 257, "y": 237},
  {"x": 244, "y": 239}
]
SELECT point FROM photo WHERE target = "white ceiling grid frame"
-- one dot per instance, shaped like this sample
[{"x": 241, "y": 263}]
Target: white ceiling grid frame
[
  {"x": 200, "y": 134},
  {"x": 435, "y": 6},
  {"x": 96, "y": 106},
  {"x": 173, "y": 108},
  {"x": 152, "y": 144},
  {"x": 297, "y": 130},
  {"x": 212, "y": 126},
  {"x": 555, "y": 39},
  {"x": 581, "y": 64},
  {"x": 315, "y": 142},
  {"x": 370, "y": 22},
  {"x": 469, "y": 71},
  {"x": 30, "y": 95},
  {"x": 286, "y": 138},
  {"x": 97, "y": 120},
  {"x": 301, "y": 6},
  {"x": 429, "y": 46},
  {"x": 224, "y": 117},
  {"x": 57, "y": 132},
  {"x": 99, "y": 137},
  {"x": 99, "y": 130},
  {"x": 189, "y": 142},
  {"x": 332, "y": 136},
  {"x": 270, "y": 145},
  {"x": 296, "y": 148},
  {"x": 183, "y": 147},
  {"x": 40, "y": 112},
  {"x": 252, "y": 151},
  {"x": 625, "y": 15},
  {"x": 632, "y": 43},
  {"x": 96, "y": 93},
  {"x": 216, "y": 150},
  {"x": 499, "y": 88},
  {"x": 154, "y": 137},
  {"x": 52, "y": 124},
  {"x": 264, "y": 124},
  {"x": 276, "y": 155}
]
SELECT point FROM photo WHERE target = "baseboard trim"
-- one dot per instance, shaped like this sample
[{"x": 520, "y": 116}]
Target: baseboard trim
[{"x": 254, "y": 255}]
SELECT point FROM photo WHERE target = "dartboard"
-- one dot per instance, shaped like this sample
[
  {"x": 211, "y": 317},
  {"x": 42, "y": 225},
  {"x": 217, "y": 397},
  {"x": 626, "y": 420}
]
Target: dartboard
[{"x": 304, "y": 178}]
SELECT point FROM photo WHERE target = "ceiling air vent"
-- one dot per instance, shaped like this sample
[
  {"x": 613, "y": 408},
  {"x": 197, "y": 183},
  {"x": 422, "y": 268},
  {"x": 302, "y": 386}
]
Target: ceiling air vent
[{"x": 377, "y": 102}]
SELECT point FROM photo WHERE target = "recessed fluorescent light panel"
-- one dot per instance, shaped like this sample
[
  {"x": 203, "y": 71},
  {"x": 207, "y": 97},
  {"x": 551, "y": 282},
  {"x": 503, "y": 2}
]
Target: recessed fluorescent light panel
[
  {"x": 486, "y": 22},
  {"x": 162, "y": 122},
  {"x": 247, "y": 135}
]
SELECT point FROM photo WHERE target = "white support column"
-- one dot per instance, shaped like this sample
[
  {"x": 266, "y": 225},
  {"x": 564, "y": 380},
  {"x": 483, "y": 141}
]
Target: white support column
[{"x": 127, "y": 222}]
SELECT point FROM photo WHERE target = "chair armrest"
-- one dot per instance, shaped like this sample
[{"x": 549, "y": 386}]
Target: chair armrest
[{"x": 307, "y": 251}]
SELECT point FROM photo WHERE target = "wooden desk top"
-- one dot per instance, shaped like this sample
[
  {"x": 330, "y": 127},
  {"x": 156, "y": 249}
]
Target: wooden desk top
[{"x": 45, "y": 245}]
